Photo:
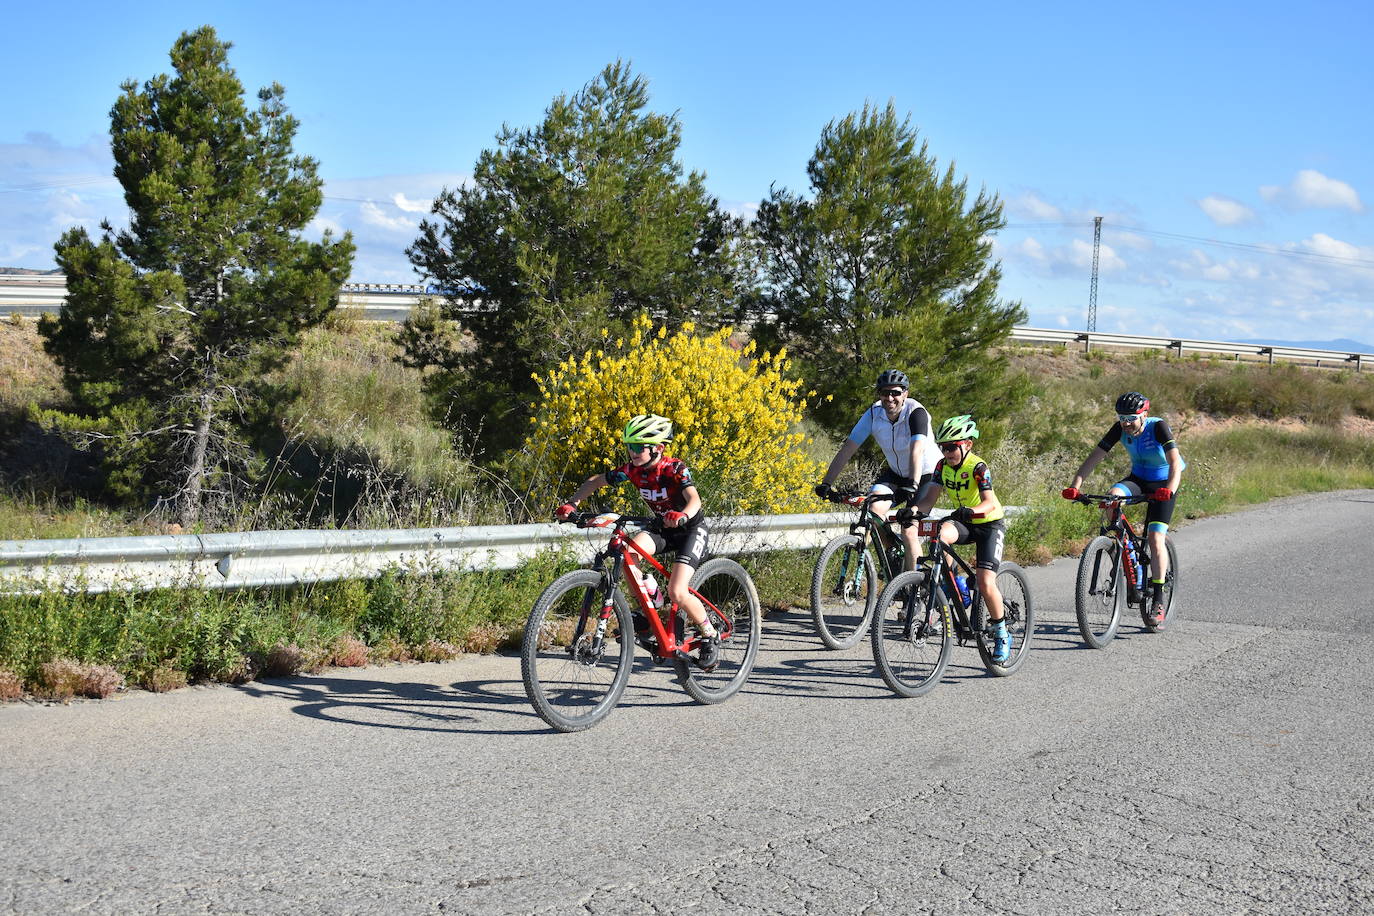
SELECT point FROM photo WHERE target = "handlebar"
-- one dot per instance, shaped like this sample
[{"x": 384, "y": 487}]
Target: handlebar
[
  {"x": 1101, "y": 499},
  {"x": 605, "y": 520}
]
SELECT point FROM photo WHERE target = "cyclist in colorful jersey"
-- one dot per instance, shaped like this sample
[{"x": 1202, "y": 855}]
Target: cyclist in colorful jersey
[
  {"x": 901, "y": 427},
  {"x": 665, "y": 484},
  {"x": 1156, "y": 468},
  {"x": 968, "y": 481}
]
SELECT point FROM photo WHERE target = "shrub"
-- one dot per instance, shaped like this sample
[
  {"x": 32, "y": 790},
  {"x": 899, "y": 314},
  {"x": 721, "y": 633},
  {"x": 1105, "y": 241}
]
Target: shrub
[
  {"x": 283, "y": 661},
  {"x": 163, "y": 678},
  {"x": 62, "y": 679},
  {"x": 735, "y": 415},
  {"x": 348, "y": 652},
  {"x": 11, "y": 685}
]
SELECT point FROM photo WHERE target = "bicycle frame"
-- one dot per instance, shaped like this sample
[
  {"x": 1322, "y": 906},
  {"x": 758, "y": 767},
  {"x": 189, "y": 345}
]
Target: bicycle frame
[
  {"x": 667, "y": 643},
  {"x": 865, "y": 528},
  {"x": 1119, "y": 528},
  {"x": 942, "y": 562}
]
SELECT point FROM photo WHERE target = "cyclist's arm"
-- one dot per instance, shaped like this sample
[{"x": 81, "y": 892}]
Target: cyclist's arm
[
  {"x": 930, "y": 496},
  {"x": 1175, "y": 467},
  {"x": 693, "y": 505},
  {"x": 919, "y": 426},
  {"x": 839, "y": 461},
  {"x": 1094, "y": 457},
  {"x": 989, "y": 504},
  {"x": 589, "y": 486}
]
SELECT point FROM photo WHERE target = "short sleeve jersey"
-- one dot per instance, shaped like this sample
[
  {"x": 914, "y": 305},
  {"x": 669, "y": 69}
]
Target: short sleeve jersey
[
  {"x": 967, "y": 483},
  {"x": 894, "y": 437},
  {"x": 1148, "y": 450},
  {"x": 661, "y": 484}
]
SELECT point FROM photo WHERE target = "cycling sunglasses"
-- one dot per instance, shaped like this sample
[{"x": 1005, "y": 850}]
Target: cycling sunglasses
[
  {"x": 1130, "y": 417},
  {"x": 891, "y": 392},
  {"x": 636, "y": 449}
]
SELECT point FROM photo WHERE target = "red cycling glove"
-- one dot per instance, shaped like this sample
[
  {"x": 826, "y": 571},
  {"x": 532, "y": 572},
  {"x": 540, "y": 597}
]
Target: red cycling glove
[
  {"x": 1069, "y": 493},
  {"x": 673, "y": 518},
  {"x": 1163, "y": 495},
  {"x": 565, "y": 511}
]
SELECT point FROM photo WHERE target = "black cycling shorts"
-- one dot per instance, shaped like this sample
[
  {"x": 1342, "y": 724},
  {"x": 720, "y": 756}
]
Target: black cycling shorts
[
  {"x": 987, "y": 538},
  {"x": 1154, "y": 511},
  {"x": 689, "y": 543}
]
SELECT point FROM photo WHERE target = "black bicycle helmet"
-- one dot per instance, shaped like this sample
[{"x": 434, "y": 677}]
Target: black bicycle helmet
[
  {"x": 892, "y": 378},
  {"x": 1132, "y": 402}
]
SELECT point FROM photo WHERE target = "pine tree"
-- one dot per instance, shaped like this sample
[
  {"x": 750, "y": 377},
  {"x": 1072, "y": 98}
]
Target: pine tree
[
  {"x": 170, "y": 325},
  {"x": 573, "y": 226},
  {"x": 886, "y": 265}
]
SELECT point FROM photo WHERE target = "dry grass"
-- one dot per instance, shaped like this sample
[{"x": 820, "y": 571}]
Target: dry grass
[
  {"x": 348, "y": 652},
  {"x": 436, "y": 650},
  {"x": 164, "y": 678},
  {"x": 284, "y": 661},
  {"x": 11, "y": 685},
  {"x": 63, "y": 679}
]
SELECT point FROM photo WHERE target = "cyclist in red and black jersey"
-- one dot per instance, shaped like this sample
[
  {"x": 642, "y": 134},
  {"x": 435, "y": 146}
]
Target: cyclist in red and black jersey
[{"x": 665, "y": 484}]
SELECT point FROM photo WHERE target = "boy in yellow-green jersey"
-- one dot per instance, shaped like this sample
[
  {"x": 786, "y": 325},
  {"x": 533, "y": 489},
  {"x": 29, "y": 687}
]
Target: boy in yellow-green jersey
[{"x": 977, "y": 516}]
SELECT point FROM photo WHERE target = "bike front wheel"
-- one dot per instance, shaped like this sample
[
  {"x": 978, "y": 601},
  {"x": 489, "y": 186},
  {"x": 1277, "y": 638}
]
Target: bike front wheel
[
  {"x": 574, "y": 675},
  {"x": 1100, "y": 591},
  {"x": 844, "y": 587},
  {"x": 1018, "y": 611},
  {"x": 732, "y": 604},
  {"x": 912, "y": 634}
]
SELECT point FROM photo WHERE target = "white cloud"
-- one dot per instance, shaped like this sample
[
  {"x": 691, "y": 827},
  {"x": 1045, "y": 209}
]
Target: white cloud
[
  {"x": 374, "y": 215},
  {"x": 1311, "y": 189},
  {"x": 1325, "y": 245},
  {"x": 1031, "y": 206},
  {"x": 411, "y": 206},
  {"x": 1224, "y": 211}
]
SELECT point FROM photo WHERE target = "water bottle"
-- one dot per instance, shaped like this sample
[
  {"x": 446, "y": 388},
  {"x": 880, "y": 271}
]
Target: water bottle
[
  {"x": 651, "y": 586},
  {"x": 894, "y": 556},
  {"x": 1137, "y": 575},
  {"x": 961, "y": 580}
]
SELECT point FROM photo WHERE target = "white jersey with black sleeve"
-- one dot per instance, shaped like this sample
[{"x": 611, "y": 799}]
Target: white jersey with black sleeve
[{"x": 894, "y": 437}]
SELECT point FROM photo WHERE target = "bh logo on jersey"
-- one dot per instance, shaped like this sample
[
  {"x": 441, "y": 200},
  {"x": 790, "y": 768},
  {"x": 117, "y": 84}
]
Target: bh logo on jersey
[{"x": 653, "y": 496}]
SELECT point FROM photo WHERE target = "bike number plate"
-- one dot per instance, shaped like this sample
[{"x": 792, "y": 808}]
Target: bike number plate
[{"x": 928, "y": 527}]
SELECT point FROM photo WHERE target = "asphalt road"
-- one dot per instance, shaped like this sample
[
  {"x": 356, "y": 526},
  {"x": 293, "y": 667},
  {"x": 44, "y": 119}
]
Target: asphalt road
[{"x": 1222, "y": 766}]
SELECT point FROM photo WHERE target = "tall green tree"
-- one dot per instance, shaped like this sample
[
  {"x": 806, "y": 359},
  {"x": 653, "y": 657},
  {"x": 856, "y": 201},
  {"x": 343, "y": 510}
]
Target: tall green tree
[
  {"x": 887, "y": 264},
  {"x": 170, "y": 325},
  {"x": 565, "y": 229}
]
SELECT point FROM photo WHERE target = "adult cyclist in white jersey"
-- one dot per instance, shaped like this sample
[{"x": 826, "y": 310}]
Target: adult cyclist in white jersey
[{"x": 901, "y": 427}]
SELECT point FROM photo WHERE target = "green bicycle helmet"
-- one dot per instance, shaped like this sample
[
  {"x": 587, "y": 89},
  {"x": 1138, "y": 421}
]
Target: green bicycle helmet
[
  {"x": 648, "y": 429},
  {"x": 957, "y": 428}
]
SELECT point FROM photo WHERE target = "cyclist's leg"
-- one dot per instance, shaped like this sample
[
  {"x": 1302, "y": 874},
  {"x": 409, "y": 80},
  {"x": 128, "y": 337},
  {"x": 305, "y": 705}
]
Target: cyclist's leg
[
  {"x": 886, "y": 483},
  {"x": 1157, "y": 519},
  {"x": 911, "y": 534},
  {"x": 987, "y": 539},
  {"x": 690, "y": 545}
]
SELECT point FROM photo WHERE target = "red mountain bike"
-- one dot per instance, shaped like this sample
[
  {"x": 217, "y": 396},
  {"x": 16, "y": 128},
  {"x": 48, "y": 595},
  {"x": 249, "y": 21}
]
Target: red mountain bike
[
  {"x": 1115, "y": 569},
  {"x": 579, "y": 641}
]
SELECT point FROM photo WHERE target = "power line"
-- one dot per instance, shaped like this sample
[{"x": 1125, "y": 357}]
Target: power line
[{"x": 1333, "y": 259}]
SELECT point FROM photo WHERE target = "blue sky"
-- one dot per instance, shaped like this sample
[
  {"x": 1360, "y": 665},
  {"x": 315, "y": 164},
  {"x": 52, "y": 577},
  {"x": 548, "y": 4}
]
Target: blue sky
[{"x": 1227, "y": 146}]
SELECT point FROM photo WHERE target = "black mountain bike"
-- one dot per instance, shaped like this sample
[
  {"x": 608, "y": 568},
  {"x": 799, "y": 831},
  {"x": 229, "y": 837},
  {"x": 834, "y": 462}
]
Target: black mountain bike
[
  {"x": 922, "y": 612},
  {"x": 848, "y": 573},
  {"x": 1115, "y": 570}
]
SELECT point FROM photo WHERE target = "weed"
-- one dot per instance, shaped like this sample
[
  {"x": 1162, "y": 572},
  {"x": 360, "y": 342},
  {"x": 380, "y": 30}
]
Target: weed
[
  {"x": 11, "y": 685},
  {"x": 163, "y": 678}
]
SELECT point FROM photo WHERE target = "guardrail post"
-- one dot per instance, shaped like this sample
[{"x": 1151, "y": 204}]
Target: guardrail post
[
  {"x": 1177, "y": 347},
  {"x": 1087, "y": 342},
  {"x": 1269, "y": 351},
  {"x": 1357, "y": 359}
]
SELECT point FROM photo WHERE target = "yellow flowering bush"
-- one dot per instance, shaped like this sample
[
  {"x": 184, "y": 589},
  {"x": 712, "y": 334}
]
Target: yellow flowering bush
[{"x": 734, "y": 414}]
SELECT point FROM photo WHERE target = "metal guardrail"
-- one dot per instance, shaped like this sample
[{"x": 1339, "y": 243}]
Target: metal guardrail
[
  {"x": 1089, "y": 339},
  {"x": 286, "y": 558},
  {"x": 265, "y": 558},
  {"x": 35, "y": 295}
]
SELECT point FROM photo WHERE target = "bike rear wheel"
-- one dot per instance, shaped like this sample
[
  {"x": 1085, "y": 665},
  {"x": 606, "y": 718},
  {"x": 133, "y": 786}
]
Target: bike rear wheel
[
  {"x": 726, "y": 585},
  {"x": 1100, "y": 591},
  {"x": 843, "y": 592},
  {"x": 1170, "y": 585},
  {"x": 1018, "y": 610},
  {"x": 574, "y": 680},
  {"x": 911, "y": 659}
]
